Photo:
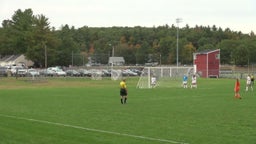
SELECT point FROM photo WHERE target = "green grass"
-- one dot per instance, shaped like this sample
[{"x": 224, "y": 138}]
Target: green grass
[{"x": 84, "y": 111}]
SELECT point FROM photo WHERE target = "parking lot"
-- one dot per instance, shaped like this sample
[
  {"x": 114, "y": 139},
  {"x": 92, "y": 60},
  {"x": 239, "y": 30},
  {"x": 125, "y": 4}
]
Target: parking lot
[{"x": 68, "y": 72}]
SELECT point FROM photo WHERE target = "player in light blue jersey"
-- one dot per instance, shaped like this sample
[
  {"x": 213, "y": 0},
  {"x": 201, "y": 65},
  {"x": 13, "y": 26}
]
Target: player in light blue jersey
[{"x": 185, "y": 81}]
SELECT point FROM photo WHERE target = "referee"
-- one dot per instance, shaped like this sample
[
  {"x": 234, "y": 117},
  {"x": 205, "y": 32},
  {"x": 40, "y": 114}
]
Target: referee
[{"x": 123, "y": 92}]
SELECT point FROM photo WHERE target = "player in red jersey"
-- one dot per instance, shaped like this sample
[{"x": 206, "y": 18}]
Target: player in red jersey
[{"x": 237, "y": 89}]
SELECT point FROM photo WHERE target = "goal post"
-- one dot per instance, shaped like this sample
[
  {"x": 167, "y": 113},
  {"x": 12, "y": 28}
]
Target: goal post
[{"x": 164, "y": 76}]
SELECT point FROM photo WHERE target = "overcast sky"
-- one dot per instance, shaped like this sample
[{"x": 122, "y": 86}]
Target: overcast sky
[{"x": 238, "y": 15}]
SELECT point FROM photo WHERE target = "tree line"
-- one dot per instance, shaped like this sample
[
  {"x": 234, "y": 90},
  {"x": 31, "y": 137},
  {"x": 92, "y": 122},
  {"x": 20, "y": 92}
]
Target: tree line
[{"x": 31, "y": 35}]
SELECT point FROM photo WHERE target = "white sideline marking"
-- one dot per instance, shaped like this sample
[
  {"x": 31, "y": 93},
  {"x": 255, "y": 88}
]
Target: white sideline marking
[{"x": 93, "y": 130}]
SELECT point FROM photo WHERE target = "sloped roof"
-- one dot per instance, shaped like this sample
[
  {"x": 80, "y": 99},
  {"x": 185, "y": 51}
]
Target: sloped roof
[
  {"x": 15, "y": 59},
  {"x": 116, "y": 60},
  {"x": 207, "y": 51},
  {"x": 8, "y": 58}
]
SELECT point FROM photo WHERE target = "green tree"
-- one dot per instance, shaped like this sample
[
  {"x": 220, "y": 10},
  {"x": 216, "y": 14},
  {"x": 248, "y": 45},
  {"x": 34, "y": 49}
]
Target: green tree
[
  {"x": 167, "y": 49},
  {"x": 7, "y": 45},
  {"x": 227, "y": 48},
  {"x": 187, "y": 53},
  {"x": 240, "y": 55},
  {"x": 22, "y": 25},
  {"x": 17, "y": 33},
  {"x": 41, "y": 46},
  {"x": 67, "y": 46}
]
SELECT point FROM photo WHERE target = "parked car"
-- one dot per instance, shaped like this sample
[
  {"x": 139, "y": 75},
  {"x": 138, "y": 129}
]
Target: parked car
[
  {"x": 137, "y": 71},
  {"x": 47, "y": 72},
  {"x": 128, "y": 72},
  {"x": 33, "y": 72},
  {"x": 106, "y": 73},
  {"x": 18, "y": 71},
  {"x": 72, "y": 73},
  {"x": 85, "y": 72},
  {"x": 60, "y": 72},
  {"x": 3, "y": 71}
]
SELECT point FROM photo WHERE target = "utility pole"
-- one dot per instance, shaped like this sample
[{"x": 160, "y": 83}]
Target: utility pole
[
  {"x": 178, "y": 20},
  {"x": 45, "y": 55}
]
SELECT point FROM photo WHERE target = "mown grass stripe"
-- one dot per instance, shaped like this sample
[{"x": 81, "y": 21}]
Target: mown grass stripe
[{"x": 93, "y": 130}]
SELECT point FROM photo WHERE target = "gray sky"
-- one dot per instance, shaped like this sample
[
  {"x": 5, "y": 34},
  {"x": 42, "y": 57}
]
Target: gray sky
[{"x": 238, "y": 15}]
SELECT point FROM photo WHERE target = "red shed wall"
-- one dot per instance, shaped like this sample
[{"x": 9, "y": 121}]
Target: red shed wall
[
  {"x": 201, "y": 64},
  {"x": 213, "y": 63}
]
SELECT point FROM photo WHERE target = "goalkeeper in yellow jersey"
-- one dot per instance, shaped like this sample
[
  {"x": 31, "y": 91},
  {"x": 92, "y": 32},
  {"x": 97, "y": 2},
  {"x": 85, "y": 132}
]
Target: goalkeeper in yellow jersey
[{"x": 123, "y": 91}]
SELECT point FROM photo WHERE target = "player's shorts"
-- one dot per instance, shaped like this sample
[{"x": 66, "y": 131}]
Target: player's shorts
[
  {"x": 193, "y": 83},
  {"x": 236, "y": 90},
  {"x": 185, "y": 82},
  {"x": 123, "y": 92},
  {"x": 153, "y": 83}
]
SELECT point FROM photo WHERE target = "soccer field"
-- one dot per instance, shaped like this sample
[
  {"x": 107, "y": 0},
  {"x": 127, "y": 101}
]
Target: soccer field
[{"x": 85, "y": 111}]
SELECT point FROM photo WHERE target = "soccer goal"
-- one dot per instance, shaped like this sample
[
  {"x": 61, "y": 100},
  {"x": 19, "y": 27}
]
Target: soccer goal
[{"x": 163, "y": 76}]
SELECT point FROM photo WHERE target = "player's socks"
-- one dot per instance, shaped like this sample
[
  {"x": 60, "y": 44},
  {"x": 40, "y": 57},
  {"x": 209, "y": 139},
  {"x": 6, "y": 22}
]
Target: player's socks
[
  {"x": 121, "y": 101},
  {"x": 125, "y": 100}
]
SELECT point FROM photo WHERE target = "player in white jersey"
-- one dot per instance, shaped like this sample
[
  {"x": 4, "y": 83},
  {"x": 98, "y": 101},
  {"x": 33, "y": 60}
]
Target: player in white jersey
[
  {"x": 153, "y": 81},
  {"x": 248, "y": 82},
  {"x": 193, "y": 82}
]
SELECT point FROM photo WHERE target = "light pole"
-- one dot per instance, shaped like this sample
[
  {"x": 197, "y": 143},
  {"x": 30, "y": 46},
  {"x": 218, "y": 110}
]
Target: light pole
[
  {"x": 112, "y": 55},
  {"x": 160, "y": 60},
  {"x": 45, "y": 55},
  {"x": 178, "y": 20},
  {"x": 113, "y": 51},
  {"x": 113, "y": 48}
]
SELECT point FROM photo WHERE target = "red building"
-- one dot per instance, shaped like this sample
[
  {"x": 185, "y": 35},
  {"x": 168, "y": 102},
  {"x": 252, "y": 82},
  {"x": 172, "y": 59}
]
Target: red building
[{"x": 207, "y": 63}]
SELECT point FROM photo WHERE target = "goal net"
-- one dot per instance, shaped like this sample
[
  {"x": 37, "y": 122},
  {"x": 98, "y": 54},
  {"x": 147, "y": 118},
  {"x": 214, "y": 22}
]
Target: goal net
[
  {"x": 116, "y": 74},
  {"x": 163, "y": 76},
  {"x": 96, "y": 75}
]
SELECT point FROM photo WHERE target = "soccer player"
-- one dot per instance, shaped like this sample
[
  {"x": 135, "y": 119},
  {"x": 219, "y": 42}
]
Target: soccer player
[
  {"x": 153, "y": 81},
  {"x": 237, "y": 89},
  {"x": 252, "y": 82},
  {"x": 123, "y": 91},
  {"x": 185, "y": 81},
  {"x": 248, "y": 82},
  {"x": 193, "y": 82}
]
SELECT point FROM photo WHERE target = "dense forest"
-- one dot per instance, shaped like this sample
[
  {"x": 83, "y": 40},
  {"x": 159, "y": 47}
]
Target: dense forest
[{"x": 31, "y": 35}]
